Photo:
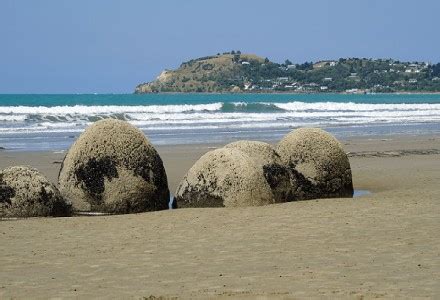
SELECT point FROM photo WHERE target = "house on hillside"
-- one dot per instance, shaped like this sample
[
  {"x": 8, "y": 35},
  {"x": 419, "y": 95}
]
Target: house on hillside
[
  {"x": 324, "y": 63},
  {"x": 354, "y": 76},
  {"x": 414, "y": 68}
]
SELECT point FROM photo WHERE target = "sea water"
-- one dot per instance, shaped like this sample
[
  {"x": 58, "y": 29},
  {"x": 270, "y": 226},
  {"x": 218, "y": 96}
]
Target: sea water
[{"x": 52, "y": 122}]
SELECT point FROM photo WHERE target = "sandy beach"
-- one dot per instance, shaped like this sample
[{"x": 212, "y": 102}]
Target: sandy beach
[{"x": 384, "y": 244}]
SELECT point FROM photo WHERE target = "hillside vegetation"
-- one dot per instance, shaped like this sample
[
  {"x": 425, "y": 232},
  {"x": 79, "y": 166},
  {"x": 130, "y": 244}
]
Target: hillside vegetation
[{"x": 236, "y": 72}]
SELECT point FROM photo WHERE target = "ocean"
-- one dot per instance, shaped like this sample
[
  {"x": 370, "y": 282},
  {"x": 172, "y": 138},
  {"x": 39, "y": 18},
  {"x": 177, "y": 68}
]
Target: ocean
[{"x": 52, "y": 122}]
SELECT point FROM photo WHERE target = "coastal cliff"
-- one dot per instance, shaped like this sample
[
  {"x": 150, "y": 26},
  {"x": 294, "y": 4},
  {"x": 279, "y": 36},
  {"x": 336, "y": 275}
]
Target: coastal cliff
[
  {"x": 218, "y": 73},
  {"x": 237, "y": 72}
]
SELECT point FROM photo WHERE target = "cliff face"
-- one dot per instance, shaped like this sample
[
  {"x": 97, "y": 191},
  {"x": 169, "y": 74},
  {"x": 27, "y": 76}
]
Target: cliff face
[{"x": 219, "y": 73}]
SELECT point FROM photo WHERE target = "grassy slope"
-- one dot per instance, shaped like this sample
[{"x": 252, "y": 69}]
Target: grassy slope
[{"x": 211, "y": 74}]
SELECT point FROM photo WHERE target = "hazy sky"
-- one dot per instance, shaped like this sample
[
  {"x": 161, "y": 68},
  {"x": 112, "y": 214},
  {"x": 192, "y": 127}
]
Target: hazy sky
[{"x": 86, "y": 46}]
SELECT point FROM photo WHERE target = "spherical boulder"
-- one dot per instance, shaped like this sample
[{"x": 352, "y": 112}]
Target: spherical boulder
[
  {"x": 320, "y": 158},
  {"x": 25, "y": 192},
  {"x": 262, "y": 153},
  {"x": 224, "y": 178},
  {"x": 264, "y": 156},
  {"x": 113, "y": 168}
]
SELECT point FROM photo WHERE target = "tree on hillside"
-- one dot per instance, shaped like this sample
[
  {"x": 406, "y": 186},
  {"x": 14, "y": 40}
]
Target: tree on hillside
[
  {"x": 435, "y": 70},
  {"x": 305, "y": 66},
  {"x": 288, "y": 62},
  {"x": 266, "y": 60}
]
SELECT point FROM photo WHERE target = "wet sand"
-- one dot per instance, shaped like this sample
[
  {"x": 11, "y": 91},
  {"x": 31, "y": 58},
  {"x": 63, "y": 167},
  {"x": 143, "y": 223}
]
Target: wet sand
[{"x": 385, "y": 244}]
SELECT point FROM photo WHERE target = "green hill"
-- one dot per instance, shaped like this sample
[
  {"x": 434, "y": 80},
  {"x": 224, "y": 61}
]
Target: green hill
[{"x": 236, "y": 72}]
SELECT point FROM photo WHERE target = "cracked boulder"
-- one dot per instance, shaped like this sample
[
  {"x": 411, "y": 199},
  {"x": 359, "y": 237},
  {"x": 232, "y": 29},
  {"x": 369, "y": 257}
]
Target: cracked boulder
[
  {"x": 25, "y": 192},
  {"x": 113, "y": 168},
  {"x": 225, "y": 177},
  {"x": 319, "y": 158}
]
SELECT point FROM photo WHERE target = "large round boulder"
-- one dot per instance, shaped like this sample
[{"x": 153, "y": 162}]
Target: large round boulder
[
  {"x": 261, "y": 153},
  {"x": 25, "y": 192},
  {"x": 224, "y": 177},
  {"x": 276, "y": 173},
  {"x": 113, "y": 168},
  {"x": 320, "y": 158}
]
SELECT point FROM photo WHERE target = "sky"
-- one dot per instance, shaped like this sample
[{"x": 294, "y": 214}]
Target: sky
[{"x": 110, "y": 46}]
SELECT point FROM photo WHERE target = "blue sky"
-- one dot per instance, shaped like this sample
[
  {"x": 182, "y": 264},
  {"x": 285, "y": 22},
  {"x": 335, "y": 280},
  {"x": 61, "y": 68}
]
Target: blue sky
[{"x": 86, "y": 46}]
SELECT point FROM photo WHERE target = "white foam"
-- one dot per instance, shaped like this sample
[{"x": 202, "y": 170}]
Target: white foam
[
  {"x": 351, "y": 106},
  {"x": 12, "y": 118},
  {"x": 25, "y": 119},
  {"x": 108, "y": 109}
]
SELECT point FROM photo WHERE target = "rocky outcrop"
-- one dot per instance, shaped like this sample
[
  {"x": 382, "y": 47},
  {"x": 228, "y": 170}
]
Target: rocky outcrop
[
  {"x": 113, "y": 168},
  {"x": 25, "y": 192}
]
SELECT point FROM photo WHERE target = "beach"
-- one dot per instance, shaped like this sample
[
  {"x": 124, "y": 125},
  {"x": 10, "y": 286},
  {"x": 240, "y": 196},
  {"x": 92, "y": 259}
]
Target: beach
[
  {"x": 383, "y": 244},
  {"x": 156, "y": 150}
]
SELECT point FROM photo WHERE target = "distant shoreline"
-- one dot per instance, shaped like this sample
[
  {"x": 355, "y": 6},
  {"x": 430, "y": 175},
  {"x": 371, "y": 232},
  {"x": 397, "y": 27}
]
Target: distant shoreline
[
  {"x": 229, "y": 93},
  {"x": 238, "y": 72},
  {"x": 283, "y": 93}
]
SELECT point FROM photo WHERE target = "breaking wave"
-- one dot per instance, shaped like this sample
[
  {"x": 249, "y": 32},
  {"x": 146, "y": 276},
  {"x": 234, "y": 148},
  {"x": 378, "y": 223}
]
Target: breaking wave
[{"x": 215, "y": 115}]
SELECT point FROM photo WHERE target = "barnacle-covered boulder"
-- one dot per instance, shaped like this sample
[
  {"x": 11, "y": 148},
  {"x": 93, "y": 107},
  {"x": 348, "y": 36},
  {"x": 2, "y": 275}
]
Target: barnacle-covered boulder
[
  {"x": 113, "y": 168},
  {"x": 25, "y": 192},
  {"x": 224, "y": 177},
  {"x": 320, "y": 159}
]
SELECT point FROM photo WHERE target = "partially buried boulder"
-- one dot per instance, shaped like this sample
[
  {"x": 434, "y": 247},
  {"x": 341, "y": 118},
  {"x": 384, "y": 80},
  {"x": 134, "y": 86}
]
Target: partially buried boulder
[
  {"x": 224, "y": 177},
  {"x": 113, "y": 168},
  {"x": 276, "y": 174},
  {"x": 320, "y": 158},
  {"x": 25, "y": 192}
]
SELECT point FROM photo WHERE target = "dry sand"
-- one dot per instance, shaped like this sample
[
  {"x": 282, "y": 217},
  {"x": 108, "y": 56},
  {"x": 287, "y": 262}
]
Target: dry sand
[{"x": 386, "y": 244}]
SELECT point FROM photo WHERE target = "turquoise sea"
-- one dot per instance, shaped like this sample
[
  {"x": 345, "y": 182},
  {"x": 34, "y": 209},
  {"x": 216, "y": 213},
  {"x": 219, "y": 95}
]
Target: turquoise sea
[{"x": 51, "y": 122}]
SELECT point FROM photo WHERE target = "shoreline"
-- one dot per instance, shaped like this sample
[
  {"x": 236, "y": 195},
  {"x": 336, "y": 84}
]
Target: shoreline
[
  {"x": 238, "y": 93},
  {"x": 179, "y": 158},
  {"x": 278, "y": 92},
  {"x": 341, "y": 133},
  {"x": 191, "y": 118}
]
